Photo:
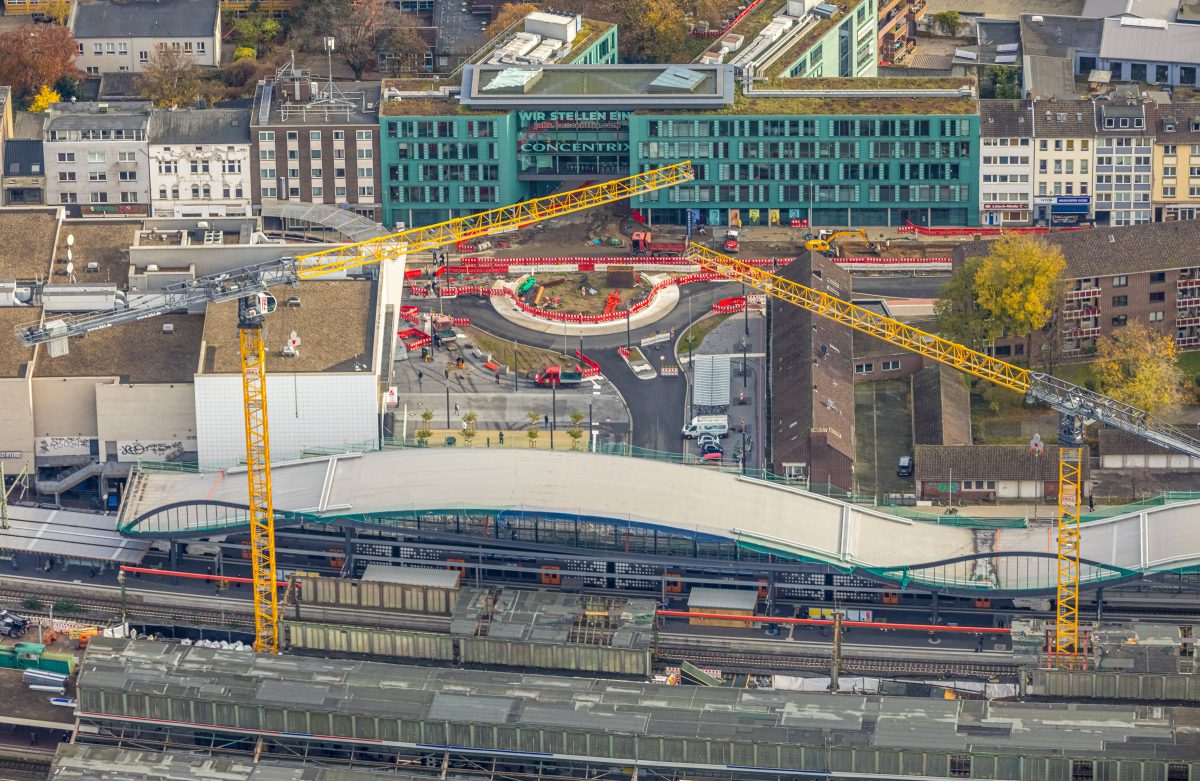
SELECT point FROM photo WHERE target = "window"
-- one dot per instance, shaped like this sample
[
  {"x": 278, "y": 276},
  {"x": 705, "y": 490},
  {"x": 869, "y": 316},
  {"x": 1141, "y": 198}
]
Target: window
[
  {"x": 266, "y": 154},
  {"x": 1168, "y": 191},
  {"x": 93, "y": 70},
  {"x": 293, "y": 173},
  {"x": 195, "y": 192},
  {"x": 339, "y": 154},
  {"x": 66, "y": 157},
  {"x": 363, "y": 135},
  {"x": 143, "y": 56},
  {"x": 98, "y": 48},
  {"x": 364, "y": 154},
  {"x": 200, "y": 47},
  {"x": 1158, "y": 277},
  {"x": 960, "y": 765},
  {"x": 314, "y": 135},
  {"x": 95, "y": 157},
  {"x": 366, "y": 191},
  {"x": 128, "y": 176},
  {"x": 79, "y": 49},
  {"x": 1121, "y": 281},
  {"x": 318, "y": 173},
  {"x": 129, "y": 197},
  {"x": 293, "y": 192},
  {"x": 1158, "y": 297},
  {"x": 1156, "y": 317},
  {"x": 339, "y": 192},
  {"x": 339, "y": 135},
  {"x": 68, "y": 198},
  {"x": 122, "y": 48},
  {"x": 293, "y": 154},
  {"x": 1168, "y": 149},
  {"x": 175, "y": 192},
  {"x": 99, "y": 198},
  {"x": 318, "y": 192},
  {"x": 231, "y": 167},
  {"x": 339, "y": 173},
  {"x": 126, "y": 157},
  {"x": 1120, "y": 300},
  {"x": 315, "y": 154},
  {"x": 162, "y": 193},
  {"x": 864, "y": 368},
  {"x": 1177, "y": 772},
  {"x": 97, "y": 176},
  {"x": 66, "y": 176},
  {"x": 266, "y": 174},
  {"x": 292, "y": 135},
  {"x": 270, "y": 192},
  {"x": 891, "y": 366},
  {"x": 1119, "y": 320},
  {"x": 266, "y": 135},
  {"x": 110, "y": 48},
  {"x": 1084, "y": 769},
  {"x": 366, "y": 173}
]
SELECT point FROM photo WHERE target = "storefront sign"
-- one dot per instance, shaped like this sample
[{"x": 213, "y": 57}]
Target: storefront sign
[
  {"x": 10, "y": 454},
  {"x": 1008, "y": 206},
  {"x": 574, "y": 116},
  {"x": 574, "y": 147},
  {"x": 1077, "y": 200}
]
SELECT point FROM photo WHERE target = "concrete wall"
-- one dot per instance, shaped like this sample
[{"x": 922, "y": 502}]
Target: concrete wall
[
  {"x": 64, "y": 414},
  {"x": 157, "y": 422},
  {"x": 215, "y": 259},
  {"x": 305, "y": 411},
  {"x": 16, "y": 435}
]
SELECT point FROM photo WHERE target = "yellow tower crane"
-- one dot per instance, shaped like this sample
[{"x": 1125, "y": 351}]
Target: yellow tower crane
[
  {"x": 1075, "y": 405},
  {"x": 250, "y": 286}
]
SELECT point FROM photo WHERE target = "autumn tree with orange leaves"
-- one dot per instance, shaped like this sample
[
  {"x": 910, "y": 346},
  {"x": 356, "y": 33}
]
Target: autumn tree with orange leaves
[
  {"x": 360, "y": 28},
  {"x": 34, "y": 55}
]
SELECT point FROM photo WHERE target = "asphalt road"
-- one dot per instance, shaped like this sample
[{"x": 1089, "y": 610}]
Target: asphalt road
[
  {"x": 901, "y": 285},
  {"x": 656, "y": 406}
]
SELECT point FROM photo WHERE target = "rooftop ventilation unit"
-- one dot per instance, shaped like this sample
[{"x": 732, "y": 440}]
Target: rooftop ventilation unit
[
  {"x": 92, "y": 266},
  {"x": 825, "y": 10},
  {"x": 168, "y": 328}
]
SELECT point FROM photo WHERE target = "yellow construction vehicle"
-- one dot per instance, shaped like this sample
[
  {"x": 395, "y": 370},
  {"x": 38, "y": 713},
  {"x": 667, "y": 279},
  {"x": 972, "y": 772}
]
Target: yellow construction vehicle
[
  {"x": 826, "y": 243},
  {"x": 250, "y": 287},
  {"x": 1076, "y": 406}
]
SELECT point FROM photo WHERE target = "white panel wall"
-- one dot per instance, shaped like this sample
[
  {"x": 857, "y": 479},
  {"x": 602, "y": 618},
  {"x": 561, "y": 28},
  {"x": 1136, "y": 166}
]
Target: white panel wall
[{"x": 303, "y": 411}]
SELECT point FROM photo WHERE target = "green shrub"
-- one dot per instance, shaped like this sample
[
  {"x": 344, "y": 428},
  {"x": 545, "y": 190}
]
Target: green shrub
[{"x": 244, "y": 53}]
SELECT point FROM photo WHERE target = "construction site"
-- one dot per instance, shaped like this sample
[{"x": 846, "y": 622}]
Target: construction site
[{"x": 319, "y": 585}]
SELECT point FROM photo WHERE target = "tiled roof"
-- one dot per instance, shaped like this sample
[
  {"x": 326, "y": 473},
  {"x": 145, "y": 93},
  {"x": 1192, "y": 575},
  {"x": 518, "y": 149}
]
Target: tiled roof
[
  {"x": 1115, "y": 442},
  {"x": 1049, "y": 77},
  {"x": 984, "y": 462},
  {"x": 23, "y": 158},
  {"x": 1180, "y": 116},
  {"x": 941, "y": 407},
  {"x": 1134, "y": 112},
  {"x": 812, "y": 373},
  {"x": 1064, "y": 119},
  {"x": 1100, "y": 252},
  {"x": 157, "y": 19},
  {"x": 1005, "y": 118}
]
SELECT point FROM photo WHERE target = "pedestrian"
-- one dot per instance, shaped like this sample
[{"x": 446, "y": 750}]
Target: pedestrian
[
  {"x": 455, "y": 409},
  {"x": 1091, "y": 504},
  {"x": 447, "y": 374},
  {"x": 33, "y": 738},
  {"x": 501, "y": 437},
  {"x": 497, "y": 378},
  {"x": 546, "y": 419}
]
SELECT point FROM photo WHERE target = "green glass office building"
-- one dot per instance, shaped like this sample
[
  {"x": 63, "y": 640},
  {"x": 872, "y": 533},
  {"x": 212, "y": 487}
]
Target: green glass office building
[{"x": 832, "y": 151}]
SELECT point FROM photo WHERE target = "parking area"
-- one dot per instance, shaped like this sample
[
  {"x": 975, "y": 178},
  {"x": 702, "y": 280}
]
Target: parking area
[{"x": 883, "y": 433}]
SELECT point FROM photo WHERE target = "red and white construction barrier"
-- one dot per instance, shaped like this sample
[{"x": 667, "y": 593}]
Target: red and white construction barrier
[{"x": 921, "y": 230}]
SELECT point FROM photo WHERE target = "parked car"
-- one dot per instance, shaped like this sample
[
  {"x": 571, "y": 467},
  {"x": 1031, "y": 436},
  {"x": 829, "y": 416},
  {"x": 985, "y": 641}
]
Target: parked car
[
  {"x": 905, "y": 467},
  {"x": 711, "y": 448},
  {"x": 708, "y": 439}
]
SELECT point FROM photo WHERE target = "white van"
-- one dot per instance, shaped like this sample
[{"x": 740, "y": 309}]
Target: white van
[{"x": 717, "y": 425}]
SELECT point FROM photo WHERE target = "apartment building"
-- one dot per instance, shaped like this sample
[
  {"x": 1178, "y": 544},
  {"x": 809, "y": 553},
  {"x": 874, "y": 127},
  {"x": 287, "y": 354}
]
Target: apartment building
[
  {"x": 1176, "y": 161},
  {"x": 1006, "y": 162},
  {"x": 200, "y": 163},
  {"x": 1146, "y": 273},
  {"x": 1063, "y": 158},
  {"x": 316, "y": 142},
  {"x": 1123, "y": 150},
  {"x": 898, "y": 20},
  {"x": 96, "y": 158},
  {"x": 115, "y": 37}
]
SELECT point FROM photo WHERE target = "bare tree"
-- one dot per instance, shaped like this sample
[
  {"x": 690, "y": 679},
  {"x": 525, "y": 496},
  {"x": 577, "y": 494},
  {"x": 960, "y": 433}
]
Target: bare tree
[{"x": 170, "y": 78}]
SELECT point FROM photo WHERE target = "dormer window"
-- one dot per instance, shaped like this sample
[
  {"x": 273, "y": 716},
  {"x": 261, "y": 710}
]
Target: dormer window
[
  {"x": 1124, "y": 121},
  {"x": 1196, "y": 125},
  {"x": 1137, "y": 121},
  {"x": 1110, "y": 122},
  {"x": 1169, "y": 126},
  {"x": 1062, "y": 117}
]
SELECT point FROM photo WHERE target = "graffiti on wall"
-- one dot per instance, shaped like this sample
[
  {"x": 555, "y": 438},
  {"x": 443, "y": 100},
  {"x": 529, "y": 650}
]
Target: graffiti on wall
[
  {"x": 170, "y": 450},
  {"x": 64, "y": 446}
]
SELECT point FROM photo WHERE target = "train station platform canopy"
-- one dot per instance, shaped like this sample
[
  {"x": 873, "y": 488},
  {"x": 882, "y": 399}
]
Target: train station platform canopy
[
  {"x": 65, "y": 534},
  {"x": 685, "y": 500}
]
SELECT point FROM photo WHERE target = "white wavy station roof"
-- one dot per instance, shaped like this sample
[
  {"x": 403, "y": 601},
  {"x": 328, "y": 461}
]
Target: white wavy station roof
[{"x": 686, "y": 498}]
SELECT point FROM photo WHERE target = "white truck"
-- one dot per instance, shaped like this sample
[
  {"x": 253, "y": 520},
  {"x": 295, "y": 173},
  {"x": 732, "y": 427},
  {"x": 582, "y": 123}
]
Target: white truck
[{"x": 717, "y": 425}]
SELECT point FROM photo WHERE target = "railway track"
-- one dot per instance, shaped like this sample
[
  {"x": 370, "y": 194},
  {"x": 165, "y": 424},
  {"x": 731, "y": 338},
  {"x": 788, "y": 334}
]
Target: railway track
[{"x": 778, "y": 663}]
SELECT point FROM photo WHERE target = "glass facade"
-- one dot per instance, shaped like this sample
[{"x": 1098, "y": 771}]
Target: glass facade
[{"x": 829, "y": 170}]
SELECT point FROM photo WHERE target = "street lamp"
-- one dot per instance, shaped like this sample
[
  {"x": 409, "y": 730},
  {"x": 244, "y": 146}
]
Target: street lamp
[
  {"x": 628, "y": 341},
  {"x": 553, "y": 408}
]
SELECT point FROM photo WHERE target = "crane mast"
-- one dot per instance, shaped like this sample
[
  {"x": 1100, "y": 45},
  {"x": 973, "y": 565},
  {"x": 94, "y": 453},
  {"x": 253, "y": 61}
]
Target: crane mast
[
  {"x": 1076, "y": 406},
  {"x": 251, "y": 285}
]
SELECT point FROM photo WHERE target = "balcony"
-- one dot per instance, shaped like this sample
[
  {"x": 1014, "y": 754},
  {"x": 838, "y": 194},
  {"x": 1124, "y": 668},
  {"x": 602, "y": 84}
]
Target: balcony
[
  {"x": 1082, "y": 333},
  {"x": 1182, "y": 322},
  {"x": 1085, "y": 293},
  {"x": 916, "y": 11},
  {"x": 1188, "y": 341},
  {"x": 1083, "y": 311}
]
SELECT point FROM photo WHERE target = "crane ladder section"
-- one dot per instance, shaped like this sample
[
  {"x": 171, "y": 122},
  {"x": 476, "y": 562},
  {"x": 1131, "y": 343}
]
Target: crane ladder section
[
  {"x": 493, "y": 222},
  {"x": 258, "y": 477},
  {"x": 892, "y": 331},
  {"x": 1066, "y": 652}
]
